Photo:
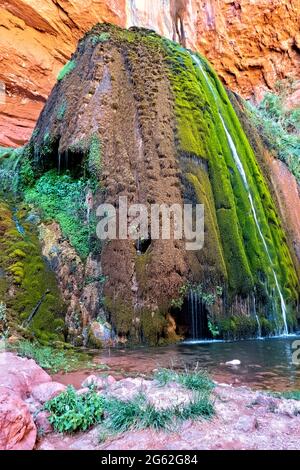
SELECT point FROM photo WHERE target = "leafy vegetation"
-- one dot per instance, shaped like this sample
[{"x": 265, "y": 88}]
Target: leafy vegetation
[
  {"x": 66, "y": 69},
  {"x": 32, "y": 279},
  {"x": 54, "y": 359},
  {"x": 279, "y": 128},
  {"x": 63, "y": 199},
  {"x": 233, "y": 253},
  {"x": 47, "y": 357},
  {"x": 71, "y": 412}
]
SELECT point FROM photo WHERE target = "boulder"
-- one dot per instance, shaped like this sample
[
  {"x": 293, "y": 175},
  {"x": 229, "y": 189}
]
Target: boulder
[
  {"x": 46, "y": 391},
  {"x": 20, "y": 375},
  {"x": 235, "y": 362},
  {"x": 17, "y": 429},
  {"x": 246, "y": 424},
  {"x": 42, "y": 423},
  {"x": 100, "y": 383}
]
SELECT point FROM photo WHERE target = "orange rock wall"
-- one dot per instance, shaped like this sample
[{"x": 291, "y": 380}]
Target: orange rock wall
[{"x": 251, "y": 44}]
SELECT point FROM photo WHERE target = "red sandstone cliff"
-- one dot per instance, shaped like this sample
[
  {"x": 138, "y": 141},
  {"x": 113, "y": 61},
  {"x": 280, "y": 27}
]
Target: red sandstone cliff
[{"x": 251, "y": 44}]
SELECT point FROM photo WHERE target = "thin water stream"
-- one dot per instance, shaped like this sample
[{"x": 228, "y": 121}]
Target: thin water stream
[{"x": 241, "y": 170}]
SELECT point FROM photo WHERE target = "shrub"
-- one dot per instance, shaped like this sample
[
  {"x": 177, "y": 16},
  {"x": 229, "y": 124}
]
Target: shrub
[
  {"x": 279, "y": 128},
  {"x": 70, "y": 412}
]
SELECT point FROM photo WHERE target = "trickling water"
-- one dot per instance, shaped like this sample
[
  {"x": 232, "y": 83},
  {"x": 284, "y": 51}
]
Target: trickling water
[
  {"x": 242, "y": 173},
  {"x": 18, "y": 225},
  {"x": 197, "y": 315},
  {"x": 257, "y": 319},
  {"x": 59, "y": 162}
]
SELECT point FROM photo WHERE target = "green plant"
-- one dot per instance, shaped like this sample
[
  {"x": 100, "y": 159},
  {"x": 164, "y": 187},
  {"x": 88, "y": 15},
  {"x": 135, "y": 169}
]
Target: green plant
[
  {"x": 71, "y": 412},
  {"x": 279, "y": 128},
  {"x": 66, "y": 69},
  {"x": 193, "y": 380},
  {"x": 214, "y": 329},
  {"x": 182, "y": 292},
  {"x": 48, "y": 357},
  {"x": 207, "y": 298},
  {"x": 63, "y": 199},
  {"x": 138, "y": 413}
]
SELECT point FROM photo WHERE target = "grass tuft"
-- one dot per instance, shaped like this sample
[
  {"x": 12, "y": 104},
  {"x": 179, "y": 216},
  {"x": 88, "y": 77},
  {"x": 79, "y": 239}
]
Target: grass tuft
[{"x": 193, "y": 380}]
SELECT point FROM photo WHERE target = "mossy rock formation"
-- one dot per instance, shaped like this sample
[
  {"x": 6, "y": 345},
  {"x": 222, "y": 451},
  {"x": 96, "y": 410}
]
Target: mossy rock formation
[
  {"x": 136, "y": 115},
  {"x": 27, "y": 284}
]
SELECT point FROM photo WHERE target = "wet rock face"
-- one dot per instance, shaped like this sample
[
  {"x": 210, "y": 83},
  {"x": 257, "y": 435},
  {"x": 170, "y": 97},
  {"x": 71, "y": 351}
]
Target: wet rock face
[{"x": 249, "y": 43}]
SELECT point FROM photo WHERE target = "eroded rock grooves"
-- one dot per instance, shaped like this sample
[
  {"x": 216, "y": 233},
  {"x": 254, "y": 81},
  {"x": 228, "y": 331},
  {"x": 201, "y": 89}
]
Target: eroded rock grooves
[{"x": 170, "y": 148}]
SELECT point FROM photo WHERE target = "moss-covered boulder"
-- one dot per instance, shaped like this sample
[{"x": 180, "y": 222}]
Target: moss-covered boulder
[{"x": 136, "y": 115}]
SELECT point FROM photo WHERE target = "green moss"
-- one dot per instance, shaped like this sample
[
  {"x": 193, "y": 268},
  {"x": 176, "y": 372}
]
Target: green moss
[
  {"x": 61, "y": 111},
  {"x": 121, "y": 314},
  {"x": 238, "y": 327},
  {"x": 153, "y": 324},
  {"x": 201, "y": 135},
  {"x": 22, "y": 261},
  {"x": 94, "y": 163},
  {"x": 71, "y": 65},
  {"x": 62, "y": 198},
  {"x": 100, "y": 38}
]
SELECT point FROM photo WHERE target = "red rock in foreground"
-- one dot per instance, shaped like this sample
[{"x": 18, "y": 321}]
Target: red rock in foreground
[
  {"x": 17, "y": 429},
  {"x": 19, "y": 375}
]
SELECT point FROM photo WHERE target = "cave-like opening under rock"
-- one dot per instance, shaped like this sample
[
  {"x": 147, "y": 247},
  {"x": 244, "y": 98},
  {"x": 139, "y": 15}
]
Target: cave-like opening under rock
[{"x": 192, "y": 318}]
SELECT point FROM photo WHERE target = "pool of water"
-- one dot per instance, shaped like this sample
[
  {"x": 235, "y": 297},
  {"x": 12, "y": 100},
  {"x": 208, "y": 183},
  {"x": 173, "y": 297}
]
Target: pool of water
[{"x": 265, "y": 364}]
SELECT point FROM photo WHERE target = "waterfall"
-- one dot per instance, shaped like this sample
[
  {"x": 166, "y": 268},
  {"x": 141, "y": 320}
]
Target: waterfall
[
  {"x": 197, "y": 316},
  {"x": 257, "y": 319},
  {"x": 244, "y": 178},
  {"x": 242, "y": 173},
  {"x": 59, "y": 162}
]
